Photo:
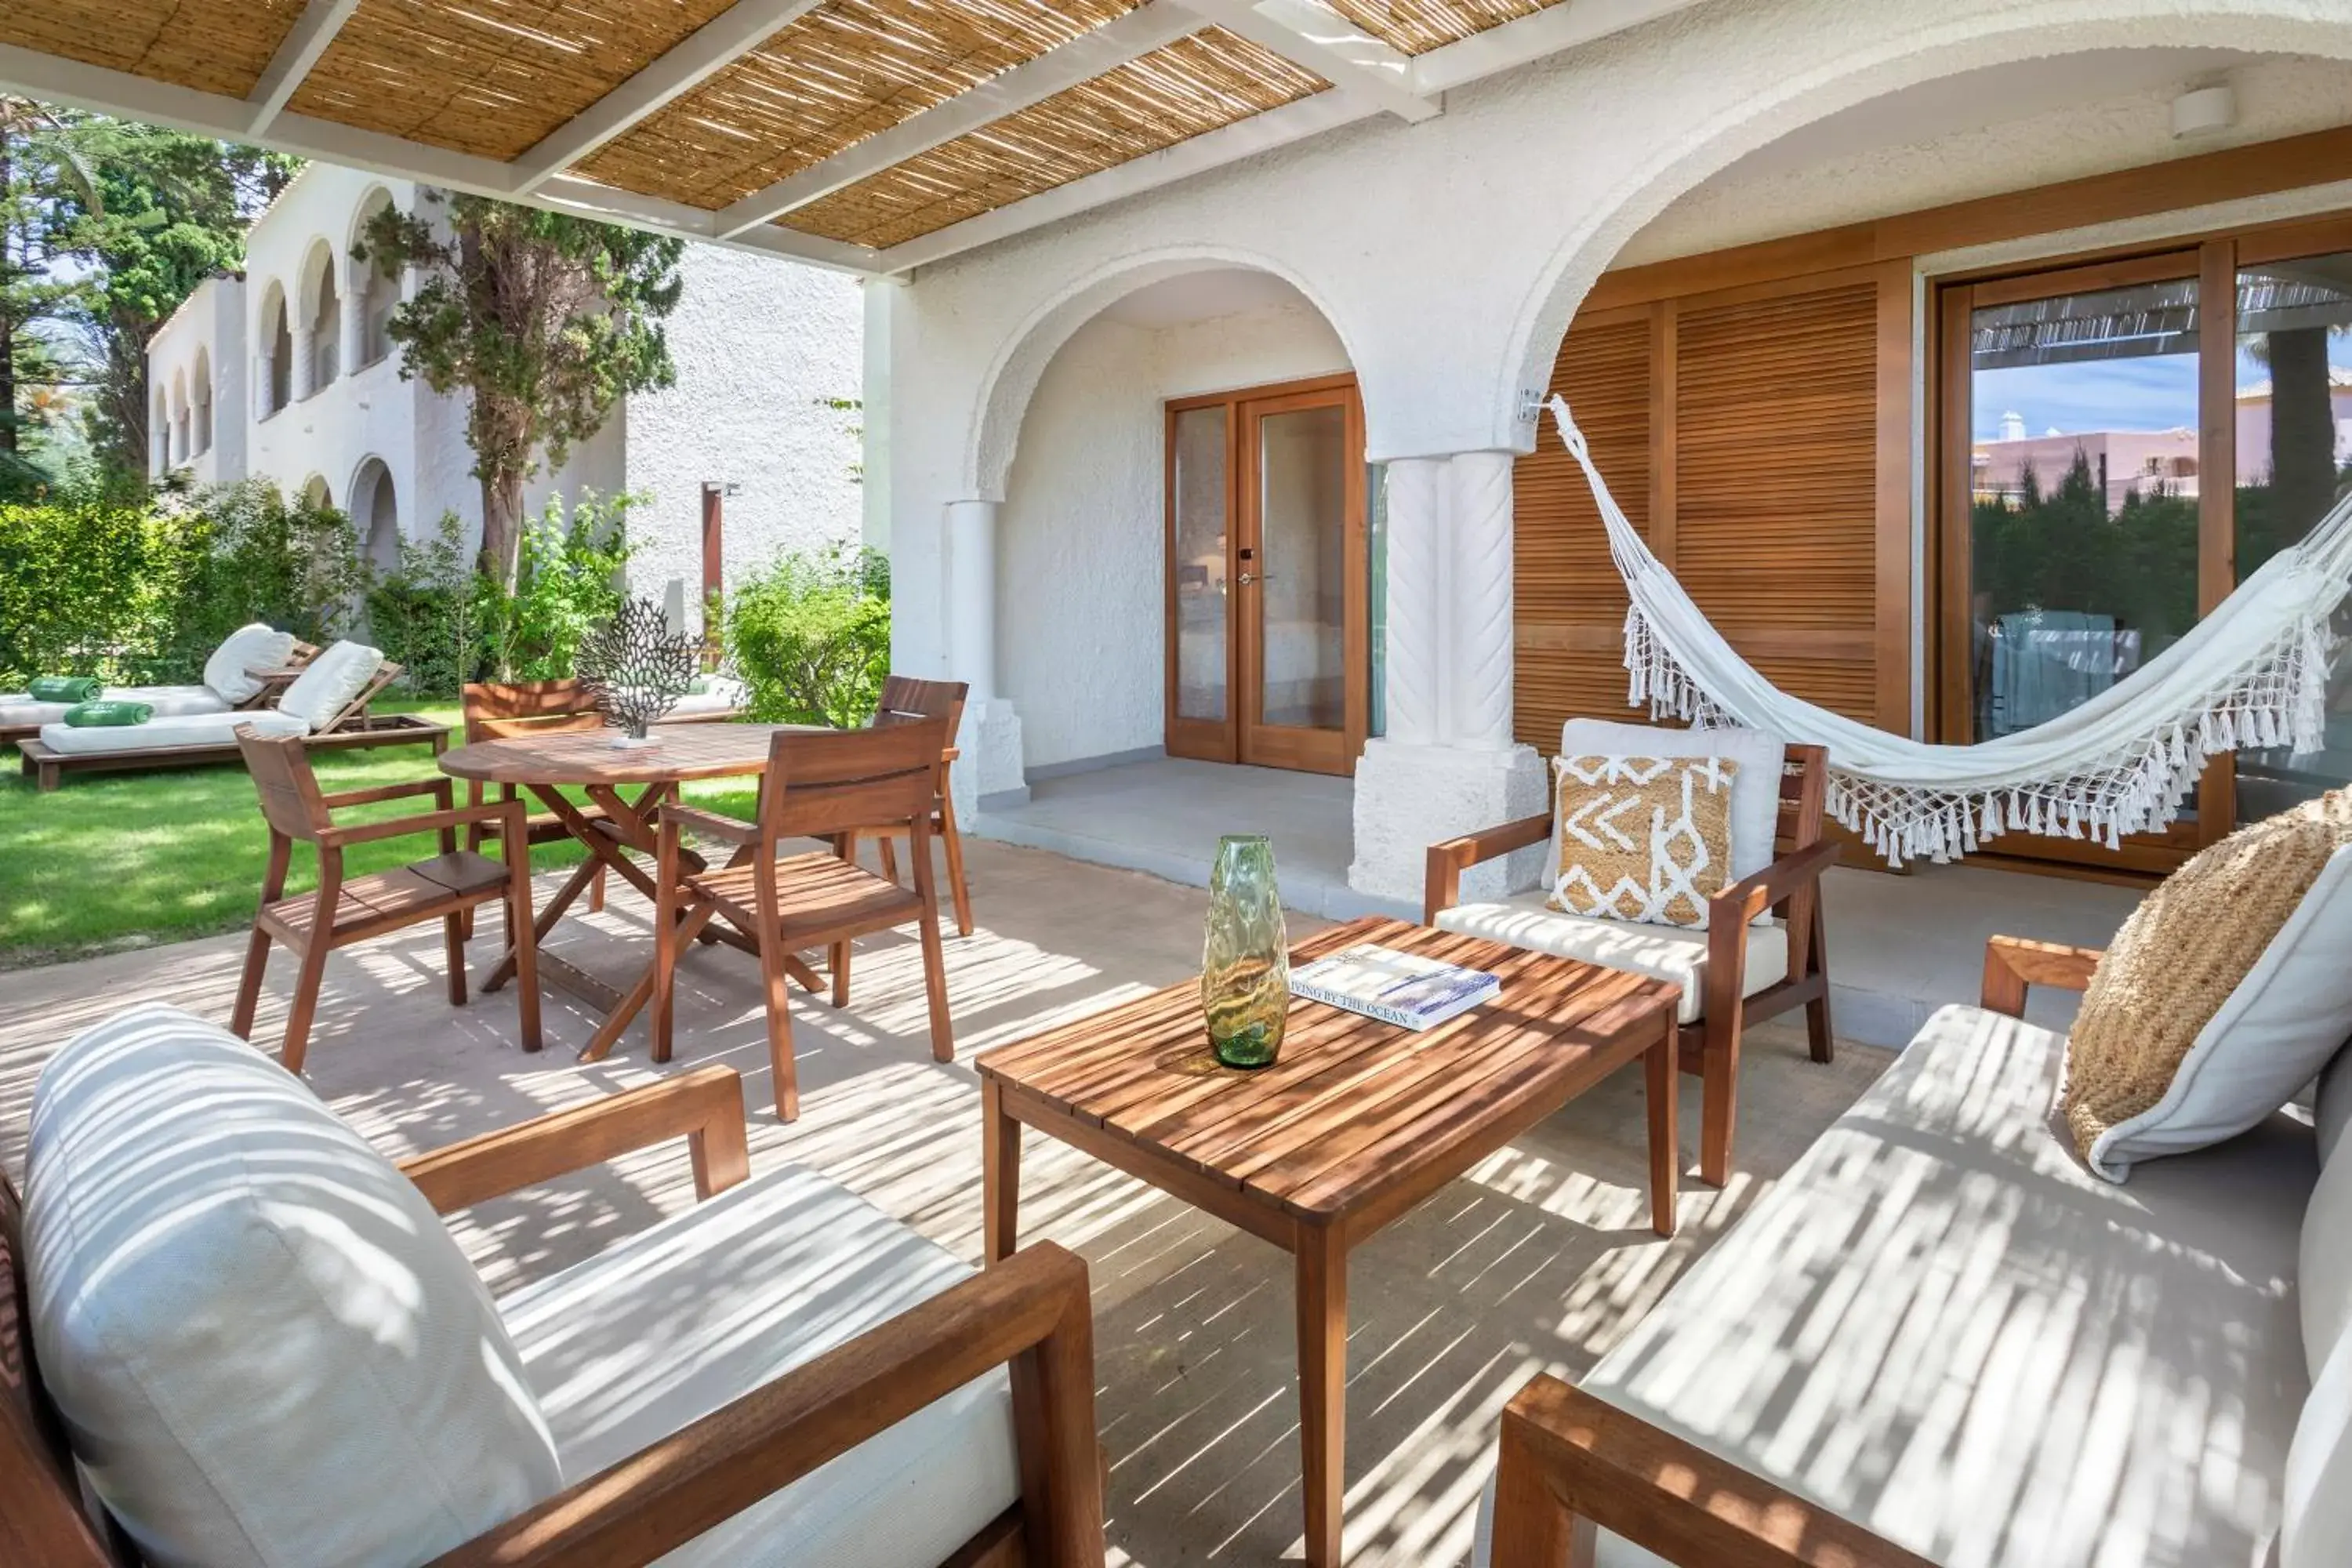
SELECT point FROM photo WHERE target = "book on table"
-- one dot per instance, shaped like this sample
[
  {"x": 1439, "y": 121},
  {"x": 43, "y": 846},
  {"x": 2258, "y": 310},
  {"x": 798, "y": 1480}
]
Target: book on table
[{"x": 1400, "y": 988}]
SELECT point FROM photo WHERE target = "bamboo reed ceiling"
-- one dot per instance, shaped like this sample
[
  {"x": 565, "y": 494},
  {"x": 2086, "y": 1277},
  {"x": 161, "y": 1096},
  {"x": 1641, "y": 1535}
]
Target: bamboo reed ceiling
[
  {"x": 493, "y": 79},
  {"x": 846, "y": 70},
  {"x": 1195, "y": 85}
]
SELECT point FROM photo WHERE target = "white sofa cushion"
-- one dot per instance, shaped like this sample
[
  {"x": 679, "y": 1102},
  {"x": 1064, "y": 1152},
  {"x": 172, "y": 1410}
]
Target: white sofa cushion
[
  {"x": 2274, "y": 1032},
  {"x": 2323, "y": 1261},
  {"x": 18, "y": 711},
  {"x": 1668, "y": 953},
  {"x": 255, "y": 647},
  {"x": 1939, "y": 1325},
  {"x": 2316, "y": 1532},
  {"x": 1755, "y": 793},
  {"x": 267, "y": 1348},
  {"x": 196, "y": 730},
  {"x": 329, "y": 684},
  {"x": 720, "y": 694},
  {"x": 672, "y": 1323}
]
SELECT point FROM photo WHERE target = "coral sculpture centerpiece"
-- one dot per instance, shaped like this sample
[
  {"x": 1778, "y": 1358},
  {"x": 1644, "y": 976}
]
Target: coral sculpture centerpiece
[{"x": 637, "y": 668}]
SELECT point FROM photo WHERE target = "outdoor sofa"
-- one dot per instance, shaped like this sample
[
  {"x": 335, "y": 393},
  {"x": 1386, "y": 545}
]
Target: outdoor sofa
[
  {"x": 228, "y": 684},
  {"x": 1941, "y": 1339},
  {"x": 253, "y": 1339},
  {"x": 326, "y": 703}
]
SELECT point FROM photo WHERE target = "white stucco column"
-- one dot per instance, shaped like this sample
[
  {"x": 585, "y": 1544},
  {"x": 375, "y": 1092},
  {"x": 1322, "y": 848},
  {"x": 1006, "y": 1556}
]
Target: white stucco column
[
  {"x": 990, "y": 741},
  {"x": 1447, "y": 764},
  {"x": 300, "y": 384},
  {"x": 260, "y": 399},
  {"x": 351, "y": 322}
]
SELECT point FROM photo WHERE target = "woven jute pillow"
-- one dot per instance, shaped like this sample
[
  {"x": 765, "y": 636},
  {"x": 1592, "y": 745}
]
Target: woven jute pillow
[
  {"x": 2185, "y": 953},
  {"x": 1642, "y": 838}
]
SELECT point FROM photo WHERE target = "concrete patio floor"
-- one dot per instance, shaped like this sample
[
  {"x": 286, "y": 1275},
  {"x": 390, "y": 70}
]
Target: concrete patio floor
[{"x": 1541, "y": 1260}]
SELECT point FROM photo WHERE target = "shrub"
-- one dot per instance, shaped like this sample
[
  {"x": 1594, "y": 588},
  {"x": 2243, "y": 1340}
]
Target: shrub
[
  {"x": 139, "y": 594},
  {"x": 448, "y": 624},
  {"x": 811, "y": 636}
]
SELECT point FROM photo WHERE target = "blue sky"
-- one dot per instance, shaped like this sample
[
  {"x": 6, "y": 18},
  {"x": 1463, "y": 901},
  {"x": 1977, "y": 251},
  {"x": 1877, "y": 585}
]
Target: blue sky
[{"x": 2156, "y": 392}]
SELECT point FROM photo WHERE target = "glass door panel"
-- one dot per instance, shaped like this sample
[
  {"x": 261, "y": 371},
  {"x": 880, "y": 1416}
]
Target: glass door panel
[
  {"x": 2082, "y": 496},
  {"x": 1300, "y": 568},
  {"x": 2294, "y": 445},
  {"x": 1201, "y": 485}
]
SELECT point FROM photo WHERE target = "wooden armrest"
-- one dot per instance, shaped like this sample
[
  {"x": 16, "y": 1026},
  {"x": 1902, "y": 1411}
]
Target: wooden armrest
[
  {"x": 1751, "y": 896},
  {"x": 1571, "y": 1463},
  {"x": 710, "y": 823},
  {"x": 1033, "y": 1311},
  {"x": 1447, "y": 861},
  {"x": 2014, "y": 963},
  {"x": 706, "y": 1106},
  {"x": 500, "y": 812},
  {"x": 439, "y": 789}
]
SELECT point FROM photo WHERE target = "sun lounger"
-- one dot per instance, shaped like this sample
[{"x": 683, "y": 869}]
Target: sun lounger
[
  {"x": 328, "y": 703},
  {"x": 226, "y": 688}
]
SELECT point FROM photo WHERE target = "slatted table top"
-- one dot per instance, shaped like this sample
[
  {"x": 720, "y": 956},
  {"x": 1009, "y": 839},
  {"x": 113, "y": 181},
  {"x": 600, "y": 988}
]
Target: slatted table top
[
  {"x": 1352, "y": 1105},
  {"x": 589, "y": 756}
]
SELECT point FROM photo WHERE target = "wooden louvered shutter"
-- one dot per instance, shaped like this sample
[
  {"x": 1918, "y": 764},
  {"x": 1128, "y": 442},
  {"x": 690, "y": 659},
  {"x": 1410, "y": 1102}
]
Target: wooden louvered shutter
[
  {"x": 1776, "y": 485},
  {"x": 1569, "y": 602},
  {"x": 1760, "y": 440}
]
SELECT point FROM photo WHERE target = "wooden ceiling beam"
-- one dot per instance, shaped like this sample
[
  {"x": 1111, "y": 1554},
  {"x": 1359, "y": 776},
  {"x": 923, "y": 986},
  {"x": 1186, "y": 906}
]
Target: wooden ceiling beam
[
  {"x": 1148, "y": 27},
  {"x": 694, "y": 59},
  {"x": 297, "y": 52},
  {"x": 1320, "y": 39}
]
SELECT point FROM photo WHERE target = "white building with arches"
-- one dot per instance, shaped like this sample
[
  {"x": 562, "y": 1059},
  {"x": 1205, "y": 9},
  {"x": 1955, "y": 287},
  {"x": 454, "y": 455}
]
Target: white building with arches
[{"x": 286, "y": 372}]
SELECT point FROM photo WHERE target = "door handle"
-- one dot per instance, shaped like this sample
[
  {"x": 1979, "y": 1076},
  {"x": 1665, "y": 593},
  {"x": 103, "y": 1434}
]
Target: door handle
[{"x": 1248, "y": 579}]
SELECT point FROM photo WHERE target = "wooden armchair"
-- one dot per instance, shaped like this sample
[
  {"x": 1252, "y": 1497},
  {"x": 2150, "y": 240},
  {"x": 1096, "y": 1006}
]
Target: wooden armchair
[
  {"x": 1573, "y": 1464},
  {"x": 906, "y": 699},
  {"x": 2012, "y": 963},
  {"x": 834, "y": 784},
  {"x": 496, "y": 711},
  {"x": 1789, "y": 887},
  {"x": 344, "y": 911},
  {"x": 1031, "y": 1313}
]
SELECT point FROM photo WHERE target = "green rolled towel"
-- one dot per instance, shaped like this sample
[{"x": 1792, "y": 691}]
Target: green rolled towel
[
  {"x": 107, "y": 715},
  {"x": 66, "y": 688}
]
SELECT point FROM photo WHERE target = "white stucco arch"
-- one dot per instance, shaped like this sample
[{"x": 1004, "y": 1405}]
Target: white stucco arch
[
  {"x": 374, "y": 506},
  {"x": 318, "y": 264},
  {"x": 200, "y": 402},
  {"x": 1726, "y": 128},
  {"x": 1011, "y": 377},
  {"x": 372, "y": 200}
]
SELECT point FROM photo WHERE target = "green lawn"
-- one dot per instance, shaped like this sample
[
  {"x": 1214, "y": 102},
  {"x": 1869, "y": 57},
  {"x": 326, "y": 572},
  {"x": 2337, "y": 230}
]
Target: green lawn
[{"x": 117, "y": 860}]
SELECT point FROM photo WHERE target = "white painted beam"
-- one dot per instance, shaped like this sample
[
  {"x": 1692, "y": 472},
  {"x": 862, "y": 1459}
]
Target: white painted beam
[
  {"x": 304, "y": 42},
  {"x": 694, "y": 59},
  {"x": 1324, "y": 42},
  {"x": 1562, "y": 26},
  {"x": 1109, "y": 47},
  {"x": 53, "y": 79}
]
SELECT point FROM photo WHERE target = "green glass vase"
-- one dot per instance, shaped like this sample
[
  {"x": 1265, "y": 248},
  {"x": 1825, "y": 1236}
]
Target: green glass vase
[{"x": 1245, "y": 961}]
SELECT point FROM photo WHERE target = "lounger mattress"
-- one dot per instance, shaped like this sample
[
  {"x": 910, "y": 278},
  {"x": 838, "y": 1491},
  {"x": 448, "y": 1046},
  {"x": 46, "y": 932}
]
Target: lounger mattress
[
  {"x": 191, "y": 731},
  {"x": 18, "y": 711}
]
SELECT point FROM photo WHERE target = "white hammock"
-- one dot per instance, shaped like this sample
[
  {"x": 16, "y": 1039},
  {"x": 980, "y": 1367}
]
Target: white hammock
[{"x": 2253, "y": 674}]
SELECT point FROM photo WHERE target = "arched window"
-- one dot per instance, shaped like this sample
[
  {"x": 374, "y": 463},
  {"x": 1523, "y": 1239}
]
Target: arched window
[
  {"x": 180, "y": 452},
  {"x": 315, "y": 491},
  {"x": 376, "y": 510},
  {"x": 159, "y": 435},
  {"x": 279, "y": 351},
  {"x": 375, "y": 288}
]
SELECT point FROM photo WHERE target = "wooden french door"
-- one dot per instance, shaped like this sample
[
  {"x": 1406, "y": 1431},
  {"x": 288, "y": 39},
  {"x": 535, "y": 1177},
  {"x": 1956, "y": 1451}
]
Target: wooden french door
[{"x": 1268, "y": 582}]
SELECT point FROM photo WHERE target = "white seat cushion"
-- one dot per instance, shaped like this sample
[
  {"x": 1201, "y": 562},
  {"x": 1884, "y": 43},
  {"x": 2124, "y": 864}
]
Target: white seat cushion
[
  {"x": 253, "y": 647},
  {"x": 18, "y": 711},
  {"x": 720, "y": 694},
  {"x": 1668, "y": 953},
  {"x": 266, "y": 1346},
  {"x": 672, "y": 1323},
  {"x": 1938, "y": 1324},
  {"x": 196, "y": 730},
  {"x": 327, "y": 687}
]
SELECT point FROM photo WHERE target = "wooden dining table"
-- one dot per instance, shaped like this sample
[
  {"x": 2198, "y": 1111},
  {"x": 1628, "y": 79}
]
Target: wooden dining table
[{"x": 546, "y": 765}]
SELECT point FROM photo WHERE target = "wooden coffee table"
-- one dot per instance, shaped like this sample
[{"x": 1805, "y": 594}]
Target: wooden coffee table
[{"x": 1355, "y": 1124}]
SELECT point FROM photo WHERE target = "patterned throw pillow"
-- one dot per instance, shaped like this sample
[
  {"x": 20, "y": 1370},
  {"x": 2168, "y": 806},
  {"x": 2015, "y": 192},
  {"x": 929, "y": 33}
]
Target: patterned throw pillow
[{"x": 1642, "y": 838}]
